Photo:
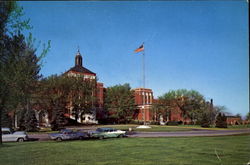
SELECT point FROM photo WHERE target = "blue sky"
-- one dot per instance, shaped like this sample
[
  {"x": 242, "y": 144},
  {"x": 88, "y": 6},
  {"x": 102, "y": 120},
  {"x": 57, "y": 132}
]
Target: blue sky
[{"x": 200, "y": 45}]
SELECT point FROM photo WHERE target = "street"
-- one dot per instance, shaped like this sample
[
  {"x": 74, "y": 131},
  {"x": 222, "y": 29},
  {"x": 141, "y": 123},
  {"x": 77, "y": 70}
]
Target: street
[{"x": 45, "y": 137}]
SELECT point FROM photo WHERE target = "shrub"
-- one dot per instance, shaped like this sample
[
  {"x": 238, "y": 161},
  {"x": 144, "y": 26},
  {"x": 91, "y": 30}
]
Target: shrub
[
  {"x": 136, "y": 122},
  {"x": 173, "y": 123},
  {"x": 154, "y": 123},
  {"x": 205, "y": 122},
  {"x": 221, "y": 121}
]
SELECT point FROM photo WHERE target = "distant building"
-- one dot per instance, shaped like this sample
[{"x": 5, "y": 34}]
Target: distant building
[{"x": 233, "y": 120}]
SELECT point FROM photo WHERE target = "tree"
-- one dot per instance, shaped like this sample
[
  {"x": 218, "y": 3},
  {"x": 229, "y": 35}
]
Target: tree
[
  {"x": 53, "y": 96},
  {"x": 59, "y": 94},
  {"x": 30, "y": 121},
  {"x": 120, "y": 103},
  {"x": 248, "y": 116},
  {"x": 190, "y": 102},
  {"x": 19, "y": 65},
  {"x": 6, "y": 119},
  {"x": 82, "y": 96}
]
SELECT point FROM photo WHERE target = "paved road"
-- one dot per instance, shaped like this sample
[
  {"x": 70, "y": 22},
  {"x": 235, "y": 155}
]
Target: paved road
[
  {"x": 191, "y": 133},
  {"x": 44, "y": 137}
]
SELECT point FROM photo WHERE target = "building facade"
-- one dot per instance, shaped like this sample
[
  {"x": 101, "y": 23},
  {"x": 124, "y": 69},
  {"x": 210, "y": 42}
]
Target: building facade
[{"x": 144, "y": 100}]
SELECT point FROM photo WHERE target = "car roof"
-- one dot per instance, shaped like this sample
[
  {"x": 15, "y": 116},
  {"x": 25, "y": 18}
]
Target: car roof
[
  {"x": 66, "y": 130},
  {"x": 5, "y": 129},
  {"x": 106, "y": 128}
]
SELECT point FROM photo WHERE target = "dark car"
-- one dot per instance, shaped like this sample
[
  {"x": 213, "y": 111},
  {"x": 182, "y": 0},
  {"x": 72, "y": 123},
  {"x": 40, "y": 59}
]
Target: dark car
[{"x": 67, "y": 134}]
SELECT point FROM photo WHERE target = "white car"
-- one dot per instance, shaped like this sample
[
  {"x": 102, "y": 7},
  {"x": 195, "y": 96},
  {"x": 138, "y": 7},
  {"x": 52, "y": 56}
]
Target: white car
[
  {"x": 10, "y": 136},
  {"x": 102, "y": 133}
]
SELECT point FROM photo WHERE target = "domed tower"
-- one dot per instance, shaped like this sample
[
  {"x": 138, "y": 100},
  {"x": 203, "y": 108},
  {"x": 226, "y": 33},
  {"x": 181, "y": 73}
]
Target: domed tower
[
  {"x": 78, "y": 69},
  {"x": 78, "y": 59}
]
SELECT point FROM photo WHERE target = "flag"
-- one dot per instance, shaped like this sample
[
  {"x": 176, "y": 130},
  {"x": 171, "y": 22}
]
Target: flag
[{"x": 141, "y": 48}]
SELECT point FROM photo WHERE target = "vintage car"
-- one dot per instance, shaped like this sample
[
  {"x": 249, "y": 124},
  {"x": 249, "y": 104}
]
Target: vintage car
[
  {"x": 102, "y": 133},
  {"x": 11, "y": 136},
  {"x": 67, "y": 134}
]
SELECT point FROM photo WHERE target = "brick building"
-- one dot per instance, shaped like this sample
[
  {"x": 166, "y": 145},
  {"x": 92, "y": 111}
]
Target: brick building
[
  {"x": 233, "y": 120},
  {"x": 144, "y": 100}
]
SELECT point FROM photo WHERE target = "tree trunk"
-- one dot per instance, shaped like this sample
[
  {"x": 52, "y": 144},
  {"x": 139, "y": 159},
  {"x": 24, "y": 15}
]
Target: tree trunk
[
  {"x": 1, "y": 110},
  {"x": 1, "y": 140}
]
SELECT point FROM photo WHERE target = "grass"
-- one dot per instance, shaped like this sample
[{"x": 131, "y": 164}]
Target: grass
[{"x": 231, "y": 150}]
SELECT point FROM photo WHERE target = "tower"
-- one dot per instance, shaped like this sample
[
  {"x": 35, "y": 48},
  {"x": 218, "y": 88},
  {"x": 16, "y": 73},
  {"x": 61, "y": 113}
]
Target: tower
[{"x": 78, "y": 59}]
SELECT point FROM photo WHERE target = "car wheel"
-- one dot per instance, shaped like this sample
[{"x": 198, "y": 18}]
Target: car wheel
[
  {"x": 101, "y": 137},
  {"x": 120, "y": 136},
  {"x": 20, "y": 140},
  {"x": 81, "y": 138},
  {"x": 59, "y": 139}
]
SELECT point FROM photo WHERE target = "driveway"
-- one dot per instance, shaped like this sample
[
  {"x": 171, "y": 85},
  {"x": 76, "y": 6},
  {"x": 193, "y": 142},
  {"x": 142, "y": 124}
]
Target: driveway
[{"x": 45, "y": 137}]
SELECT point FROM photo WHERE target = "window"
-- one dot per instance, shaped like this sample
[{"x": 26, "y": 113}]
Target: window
[{"x": 5, "y": 132}]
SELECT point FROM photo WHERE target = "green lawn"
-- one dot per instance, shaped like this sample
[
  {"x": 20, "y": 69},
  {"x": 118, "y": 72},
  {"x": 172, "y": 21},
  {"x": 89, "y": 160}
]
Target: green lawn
[{"x": 231, "y": 150}]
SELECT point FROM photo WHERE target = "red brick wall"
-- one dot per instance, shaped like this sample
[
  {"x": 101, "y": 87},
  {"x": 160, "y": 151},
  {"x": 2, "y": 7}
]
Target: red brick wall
[
  {"x": 148, "y": 115},
  {"x": 139, "y": 93},
  {"x": 233, "y": 120},
  {"x": 99, "y": 94}
]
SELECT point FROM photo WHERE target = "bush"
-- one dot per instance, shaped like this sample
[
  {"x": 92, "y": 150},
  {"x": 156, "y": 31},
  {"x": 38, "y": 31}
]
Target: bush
[
  {"x": 136, "y": 122},
  {"x": 173, "y": 123},
  {"x": 205, "y": 122},
  {"x": 155, "y": 123},
  {"x": 221, "y": 121}
]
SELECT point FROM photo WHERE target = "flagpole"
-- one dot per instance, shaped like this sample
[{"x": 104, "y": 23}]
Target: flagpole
[{"x": 143, "y": 79}]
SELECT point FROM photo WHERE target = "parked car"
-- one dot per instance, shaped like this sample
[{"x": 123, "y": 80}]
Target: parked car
[
  {"x": 67, "y": 134},
  {"x": 11, "y": 136},
  {"x": 102, "y": 133}
]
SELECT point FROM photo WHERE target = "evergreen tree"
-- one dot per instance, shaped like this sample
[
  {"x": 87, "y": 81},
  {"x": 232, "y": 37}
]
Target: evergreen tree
[
  {"x": 19, "y": 65},
  {"x": 59, "y": 120},
  {"x": 30, "y": 121}
]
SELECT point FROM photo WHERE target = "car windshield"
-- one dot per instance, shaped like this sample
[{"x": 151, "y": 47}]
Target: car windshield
[
  {"x": 99, "y": 130},
  {"x": 65, "y": 131}
]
